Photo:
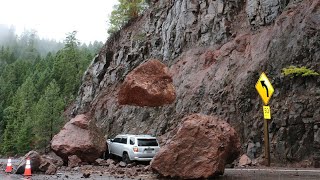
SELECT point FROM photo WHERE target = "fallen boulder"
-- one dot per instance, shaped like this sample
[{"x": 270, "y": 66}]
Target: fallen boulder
[
  {"x": 39, "y": 163},
  {"x": 200, "y": 149},
  {"x": 81, "y": 137},
  {"x": 35, "y": 161},
  {"x": 54, "y": 158},
  {"x": 47, "y": 165},
  {"x": 150, "y": 84}
]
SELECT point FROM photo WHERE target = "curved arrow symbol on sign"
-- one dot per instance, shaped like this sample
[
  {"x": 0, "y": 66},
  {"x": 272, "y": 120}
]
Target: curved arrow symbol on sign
[{"x": 264, "y": 85}]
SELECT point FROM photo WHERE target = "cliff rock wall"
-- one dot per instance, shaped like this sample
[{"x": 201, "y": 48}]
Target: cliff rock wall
[{"x": 216, "y": 50}]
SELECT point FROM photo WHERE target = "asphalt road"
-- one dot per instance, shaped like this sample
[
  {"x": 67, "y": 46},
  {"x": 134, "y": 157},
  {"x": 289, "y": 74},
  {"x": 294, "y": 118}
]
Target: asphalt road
[
  {"x": 230, "y": 174},
  {"x": 272, "y": 173}
]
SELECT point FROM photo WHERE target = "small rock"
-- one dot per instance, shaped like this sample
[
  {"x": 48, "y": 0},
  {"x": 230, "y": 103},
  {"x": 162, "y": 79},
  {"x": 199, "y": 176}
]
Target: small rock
[
  {"x": 229, "y": 165},
  {"x": 129, "y": 165},
  {"x": 132, "y": 172},
  {"x": 110, "y": 161},
  {"x": 244, "y": 161},
  {"x": 147, "y": 168},
  {"x": 112, "y": 166},
  {"x": 120, "y": 171},
  {"x": 51, "y": 170},
  {"x": 86, "y": 174},
  {"x": 122, "y": 164},
  {"x": 73, "y": 161},
  {"x": 101, "y": 162}
]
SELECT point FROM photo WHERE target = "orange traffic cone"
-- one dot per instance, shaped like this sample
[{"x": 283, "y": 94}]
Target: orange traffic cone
[
  {"x": 9, "y": 166},
  {"x": 27, "y": 169}
]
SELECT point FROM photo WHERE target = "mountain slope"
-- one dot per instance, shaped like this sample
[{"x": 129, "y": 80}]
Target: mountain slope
[{"x": 216, "y": 51}]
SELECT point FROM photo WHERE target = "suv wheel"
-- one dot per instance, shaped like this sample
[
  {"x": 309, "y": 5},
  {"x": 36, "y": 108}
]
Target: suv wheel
[
  {"x": 125, "y": 158},
  {"x": 107, "y": 155}
]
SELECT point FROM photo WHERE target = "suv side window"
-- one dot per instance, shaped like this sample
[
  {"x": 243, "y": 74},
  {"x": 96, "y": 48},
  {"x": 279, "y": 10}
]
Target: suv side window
[
  {"x": 123, "y": 140},
  {"x": 132, "y": 140},
  {"x": 117, "y": 140}
]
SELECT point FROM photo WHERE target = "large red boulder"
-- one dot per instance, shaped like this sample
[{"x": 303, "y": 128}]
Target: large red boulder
[
  {"x": 150, "y": 84},
  {"x": 200, "y": 149},
  {"x": 81, "y": 137}
]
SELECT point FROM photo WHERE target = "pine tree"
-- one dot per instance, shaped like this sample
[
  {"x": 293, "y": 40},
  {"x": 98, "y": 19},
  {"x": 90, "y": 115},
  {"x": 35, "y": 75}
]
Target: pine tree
[
  {"x": 48, "y": 115},
  {"x": 35, "y": 89},
  {"x": 23, "y": 102},
  {"x": 8, "y": 146},
  {"x": 68, "y": 67},
  {"x": 25, "y": 136}
]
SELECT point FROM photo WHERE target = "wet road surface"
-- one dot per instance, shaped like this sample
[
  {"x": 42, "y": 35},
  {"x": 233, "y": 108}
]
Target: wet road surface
[
  {"x": 272, "y": 173},
  {"x": 230, "y": 174}
]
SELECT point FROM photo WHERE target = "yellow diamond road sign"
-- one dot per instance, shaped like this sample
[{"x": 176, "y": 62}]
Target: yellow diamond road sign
[{"x": 264, "y": 88}]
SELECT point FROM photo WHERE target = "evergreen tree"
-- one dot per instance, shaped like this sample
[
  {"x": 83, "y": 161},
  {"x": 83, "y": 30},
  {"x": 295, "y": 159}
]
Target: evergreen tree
[
  {"x": 25, "y": 136},
  {"x": 69, "y": 66},
  {"x": 23, "y": 102},
  {"x": 34, "y": 90},
  {"x": 8, "y": 145},
  {"x": 48, "y": 115}
]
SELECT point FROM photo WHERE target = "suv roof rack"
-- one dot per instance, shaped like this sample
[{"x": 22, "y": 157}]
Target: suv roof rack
[{"x": 134, "y": 135}]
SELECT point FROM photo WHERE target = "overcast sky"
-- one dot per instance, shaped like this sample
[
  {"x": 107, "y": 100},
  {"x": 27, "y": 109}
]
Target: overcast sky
[{"x": 52, "y": 19}]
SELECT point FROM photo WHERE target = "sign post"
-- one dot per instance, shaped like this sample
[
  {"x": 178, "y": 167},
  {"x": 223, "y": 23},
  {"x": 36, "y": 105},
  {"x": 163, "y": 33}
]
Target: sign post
[{"x": 265, "y": 90}]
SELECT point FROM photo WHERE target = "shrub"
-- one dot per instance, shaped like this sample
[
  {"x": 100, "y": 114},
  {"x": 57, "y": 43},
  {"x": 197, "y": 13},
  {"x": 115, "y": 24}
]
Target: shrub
[
  {"x": 298, "y": 71},
  {"x": 125, "y": 11}
]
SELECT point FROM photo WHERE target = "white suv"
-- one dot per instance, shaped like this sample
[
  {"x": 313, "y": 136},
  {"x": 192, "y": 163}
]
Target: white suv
[{"x": 133, "y": 147}]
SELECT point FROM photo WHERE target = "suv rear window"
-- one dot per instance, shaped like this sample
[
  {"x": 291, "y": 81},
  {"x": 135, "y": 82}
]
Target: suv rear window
[
  {"x": 147, "y": 142},
  {"x": 132, "y": 141}
]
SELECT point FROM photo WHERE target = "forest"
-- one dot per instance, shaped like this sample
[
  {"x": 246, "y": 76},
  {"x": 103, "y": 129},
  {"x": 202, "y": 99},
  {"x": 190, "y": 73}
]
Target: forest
[{"x": 39, "y": 79}]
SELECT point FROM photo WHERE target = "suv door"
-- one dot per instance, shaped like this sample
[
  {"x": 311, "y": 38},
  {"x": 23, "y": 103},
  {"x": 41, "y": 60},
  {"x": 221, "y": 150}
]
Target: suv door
[
  {"x": 114, "y": 146},
  {"x": 123, "y": 143}
]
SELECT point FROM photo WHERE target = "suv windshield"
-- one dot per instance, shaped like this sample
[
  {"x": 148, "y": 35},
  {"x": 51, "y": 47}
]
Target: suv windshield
[{"x": 147, "y": 142}]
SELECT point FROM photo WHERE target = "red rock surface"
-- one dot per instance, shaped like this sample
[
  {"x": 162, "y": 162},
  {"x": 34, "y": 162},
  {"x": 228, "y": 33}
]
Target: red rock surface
[
  {"x": 80, "y": 136},
  {"x": 73, "y": 161},
  {"x": 150, "y": 84},
  {"x": 45, "y": 163},
  {"x": 200, "y": 149}
]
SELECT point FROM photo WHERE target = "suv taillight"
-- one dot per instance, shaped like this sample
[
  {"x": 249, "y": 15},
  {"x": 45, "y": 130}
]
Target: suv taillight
[{"x": 135, "y": 149}]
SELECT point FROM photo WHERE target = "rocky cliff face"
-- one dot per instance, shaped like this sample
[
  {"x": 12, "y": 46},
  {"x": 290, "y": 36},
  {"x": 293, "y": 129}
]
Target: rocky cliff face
[{"x": 216, "y": 51}]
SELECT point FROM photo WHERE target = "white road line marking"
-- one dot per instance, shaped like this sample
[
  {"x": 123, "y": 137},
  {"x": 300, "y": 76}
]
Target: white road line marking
[{"x": 275, "y": 170}]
